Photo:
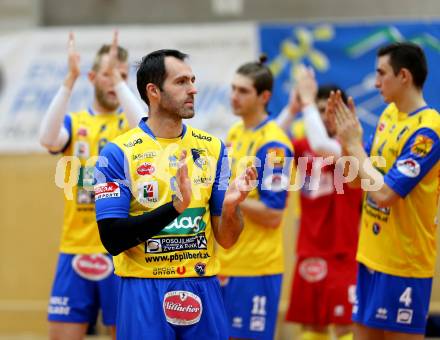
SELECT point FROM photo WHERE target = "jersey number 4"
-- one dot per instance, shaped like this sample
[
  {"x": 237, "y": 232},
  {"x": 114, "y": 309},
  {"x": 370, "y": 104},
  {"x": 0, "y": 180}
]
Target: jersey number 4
[{"x": 405, "y": 298}]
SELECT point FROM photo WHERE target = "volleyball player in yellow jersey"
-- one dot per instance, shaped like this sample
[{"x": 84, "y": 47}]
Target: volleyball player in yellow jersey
[
  {"x": 251, "y": 270},
  {"x": 84, "y": 280},
  {"x": 397, "y": 245},
  {"x": 168, "y": 264}
]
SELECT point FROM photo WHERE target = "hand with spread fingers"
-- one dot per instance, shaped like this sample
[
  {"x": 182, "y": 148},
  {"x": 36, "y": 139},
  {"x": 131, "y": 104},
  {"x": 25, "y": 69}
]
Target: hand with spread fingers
[
  {"x": 239, "y": 188},
  {"x": 348, "y": 127},
  {"x": 182, "y": 199}
]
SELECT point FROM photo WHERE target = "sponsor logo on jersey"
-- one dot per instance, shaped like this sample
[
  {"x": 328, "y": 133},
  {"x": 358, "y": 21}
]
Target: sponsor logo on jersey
[
  {"x": 203, "y": 180},
  {"x": 81, "y": 149},
  {"x": 94, "y": 267},
  {"x": 189, "y": 222},
  {"x": 200, "y": 136},
  {"x": 133, "y": 143},
  {"x": 141, "y": 156},
  {"x": 166, "y": 271},
  {"x": 382, "y": 126},
  {"x": 404, "y": 316},
  {"x": 421, "y": 146},
  {"x": 275, "y": 157},
  {"x": 176, "y": 243},
  {"x": 107, "y": 190},
  {"x": 148, "y": 192},
  {"x": 146, "y": 169},
  {"x": 313, "y": 269},
  {"x": 82, "y": 131},
  {"x": 200, "y": 268},
  {"x": 408, "y": 167},
  {"x": 182, "y": 308}
]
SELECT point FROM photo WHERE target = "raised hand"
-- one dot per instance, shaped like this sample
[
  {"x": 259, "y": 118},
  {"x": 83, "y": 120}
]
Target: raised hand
[
  {"x": 73, "y": 57},
  {"x": 182, "y": 199},
  {"x": 113, "y": 54},
  {"x": 240, "y": 187},
  {"x": 348, "y": 127},
  {"x": 306, "y": 85}
]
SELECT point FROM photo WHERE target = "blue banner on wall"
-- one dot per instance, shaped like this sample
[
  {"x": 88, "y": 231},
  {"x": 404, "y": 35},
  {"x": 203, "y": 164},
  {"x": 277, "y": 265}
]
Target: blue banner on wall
[{"x": 345, "y": 54}]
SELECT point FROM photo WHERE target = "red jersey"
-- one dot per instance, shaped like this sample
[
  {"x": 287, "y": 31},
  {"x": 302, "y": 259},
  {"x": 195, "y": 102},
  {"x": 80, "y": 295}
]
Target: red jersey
[{"x": 329, "y": 221}]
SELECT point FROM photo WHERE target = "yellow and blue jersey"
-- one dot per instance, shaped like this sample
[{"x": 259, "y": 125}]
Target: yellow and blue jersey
[
  {"x": 140, "y": 177},
  {"x": 88, "y": 134},
  {"x": 259, "y": 250},
  {"x": 400, "y": 239}
]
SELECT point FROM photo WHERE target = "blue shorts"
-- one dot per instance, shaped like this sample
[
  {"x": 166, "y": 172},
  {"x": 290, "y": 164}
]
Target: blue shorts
[
  {"x": 161, "y": 309},
  {"x": 82, "y": 285},
  {"x": 252, "y": 305},
  {"x": 392, "y": 303}
]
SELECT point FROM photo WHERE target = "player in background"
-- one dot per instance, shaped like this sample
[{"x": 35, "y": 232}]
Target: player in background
[
  {"x": 251, "y": 270},
  {"x": 84, "y": 280},
  {"x": 163, "y": 245},
  {"x": 397, "y": 244},
  {"x": 325, "y": 272}
]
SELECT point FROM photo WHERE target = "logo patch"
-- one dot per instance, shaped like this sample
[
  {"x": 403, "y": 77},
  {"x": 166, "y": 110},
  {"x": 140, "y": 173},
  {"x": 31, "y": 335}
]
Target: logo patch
[
  {"x": 376, "y": 228},
  {"x": 275, "y": 157},
  {"x": 82, "y": 131},
  {"x": 133, "y": 143},
  {"x": 199, "y": 158},
  {"x": 257, "y": 324},
  {"x": 107, "y": 190},
  {"x": 200, "y": 268},
  {"x": 176, "y": 243},
  {"x": 422, "y": 146},
  {"x": 313, "y": 269},
  {"x": 182, "y": 308},
  {"x": 190, "y": 221},
  {"x": 148, "y": 192},
  {"x": 92, "y": 267},
  {"x": 404, "y": 316},
  {"x": 81, "y": 149},
  {"x": 409, "y": 167},
  {"x": 146, "y": 169},
  {"x": 200, "y": 136}
]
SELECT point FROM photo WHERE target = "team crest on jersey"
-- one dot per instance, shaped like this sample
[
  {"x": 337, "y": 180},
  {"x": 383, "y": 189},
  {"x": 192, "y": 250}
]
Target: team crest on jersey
[
  {"x": 422, "y": 146},
  {"x": 93, "y": 267},
  {"x": 107, "y": 190},
  {"x": 199, "y": 158},
  {"x": 182, "y": 308},
  {"x": 408, "y": 167},
  {"x": 313, "y": 269}
]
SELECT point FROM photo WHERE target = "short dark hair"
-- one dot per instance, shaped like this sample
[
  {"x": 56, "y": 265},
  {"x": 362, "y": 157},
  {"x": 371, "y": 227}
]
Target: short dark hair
[
  {"x": 105, "y": 49},
  {"x": 259, "y": 73},
  {"x": 407, "y": 55},
  {"x": 324, "y": 92},
  {"x": 151, "y": 69}
]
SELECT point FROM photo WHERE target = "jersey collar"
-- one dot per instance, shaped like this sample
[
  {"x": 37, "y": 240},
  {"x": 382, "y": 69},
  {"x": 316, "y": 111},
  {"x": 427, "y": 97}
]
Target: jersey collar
[
  {"x": 418, "y": 110},
  {"x": 144, "y": 127},
  {"x": 264, "y": 122}
]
